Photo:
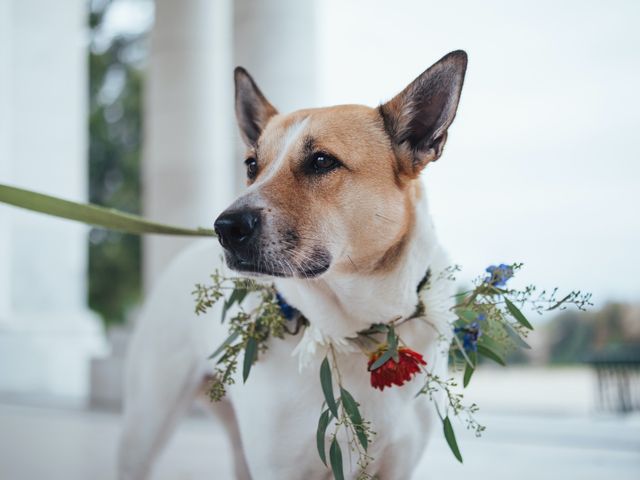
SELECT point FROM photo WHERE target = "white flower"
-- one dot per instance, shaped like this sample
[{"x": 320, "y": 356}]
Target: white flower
[{"x": 315, "y": 343}]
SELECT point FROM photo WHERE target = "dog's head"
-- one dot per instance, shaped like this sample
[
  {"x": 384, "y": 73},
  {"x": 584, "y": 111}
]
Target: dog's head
[{"x": 333, "y": 188}]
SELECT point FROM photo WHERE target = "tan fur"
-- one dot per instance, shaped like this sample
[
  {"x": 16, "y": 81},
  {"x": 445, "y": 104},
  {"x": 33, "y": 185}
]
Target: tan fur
[{"x": 366, "y": 203}]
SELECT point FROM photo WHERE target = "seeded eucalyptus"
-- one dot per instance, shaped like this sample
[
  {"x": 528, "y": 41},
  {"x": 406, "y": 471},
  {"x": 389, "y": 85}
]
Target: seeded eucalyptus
[
  {"x": 488, "y": 322},
  {"x": 248, "y": 329}
]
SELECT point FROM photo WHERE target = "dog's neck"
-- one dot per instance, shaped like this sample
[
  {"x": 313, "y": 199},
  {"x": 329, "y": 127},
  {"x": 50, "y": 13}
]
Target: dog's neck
[{"x": 340, "y": 305}]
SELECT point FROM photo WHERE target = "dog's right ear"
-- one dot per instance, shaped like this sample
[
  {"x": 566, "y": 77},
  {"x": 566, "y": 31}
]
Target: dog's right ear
[
  {"x": 417, "y": 118},
  {"x": 253, "y": 110}
]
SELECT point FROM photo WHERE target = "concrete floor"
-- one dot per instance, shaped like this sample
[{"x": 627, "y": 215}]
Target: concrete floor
[
  {"x": 528, "y": 437},
  {"x": 54, "y": 444}
]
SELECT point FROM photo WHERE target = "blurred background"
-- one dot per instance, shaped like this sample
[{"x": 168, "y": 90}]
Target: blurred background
[{"x": 129, "y": 104}]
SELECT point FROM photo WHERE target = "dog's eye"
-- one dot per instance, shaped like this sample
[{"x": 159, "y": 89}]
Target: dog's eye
[
  {"x": 323, "y": 162},
  {"x": 252, "y": 167}
]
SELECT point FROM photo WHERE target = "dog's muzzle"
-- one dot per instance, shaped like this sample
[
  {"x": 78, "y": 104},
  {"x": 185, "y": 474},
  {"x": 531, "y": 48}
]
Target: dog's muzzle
[{"x": 242, "y": 232}]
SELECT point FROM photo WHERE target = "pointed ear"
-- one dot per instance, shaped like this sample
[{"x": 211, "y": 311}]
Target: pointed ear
[
  {"x": 417, "y": 118},
  {"x": 253, "y": 110}
]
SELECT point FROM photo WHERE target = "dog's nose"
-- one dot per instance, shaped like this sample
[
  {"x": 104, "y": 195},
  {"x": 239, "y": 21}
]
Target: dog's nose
[{"x": 235, "y": 229}]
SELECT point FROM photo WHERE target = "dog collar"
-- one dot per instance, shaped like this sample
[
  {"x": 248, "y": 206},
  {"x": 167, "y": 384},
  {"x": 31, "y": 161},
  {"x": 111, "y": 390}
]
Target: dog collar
[{"x": 296, "y": 320}]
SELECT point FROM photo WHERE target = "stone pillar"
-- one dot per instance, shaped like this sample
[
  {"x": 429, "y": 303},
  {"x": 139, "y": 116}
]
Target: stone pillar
[
  {"x": 275, "y": 40},
  {"x": 188, "y": 167},
  {"x": 47, "y": 336},
  {"x": 5, "y": 152}
]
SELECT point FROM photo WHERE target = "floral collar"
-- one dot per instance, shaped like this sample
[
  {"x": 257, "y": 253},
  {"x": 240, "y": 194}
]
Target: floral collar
[{"x": 485, "y": 322}]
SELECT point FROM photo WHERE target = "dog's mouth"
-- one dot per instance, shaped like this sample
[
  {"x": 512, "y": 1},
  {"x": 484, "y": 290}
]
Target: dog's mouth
[
  {"x": 265, "y": 245},
  {"x": 308, "y": 266}
]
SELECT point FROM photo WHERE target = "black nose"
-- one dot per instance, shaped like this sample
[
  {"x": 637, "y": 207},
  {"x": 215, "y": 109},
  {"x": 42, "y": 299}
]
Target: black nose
[{"x": 235, "y": 229}]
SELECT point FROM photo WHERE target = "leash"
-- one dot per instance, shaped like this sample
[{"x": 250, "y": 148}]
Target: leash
[{"x": 96, "y": 215}]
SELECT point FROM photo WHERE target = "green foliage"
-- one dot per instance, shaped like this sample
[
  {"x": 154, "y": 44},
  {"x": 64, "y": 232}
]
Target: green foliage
[
  {"x": 323, "y": 423},
  {"x": 326, "y": 382},
  {"x": 577, "y": 336},
  {"x": 115, "y": 129},
  {"x": 450, "y": 437},
  {"x": 335, "y": 455},
  {"x": 249, "y": 330},
  {"x": 345, "y": 413}
]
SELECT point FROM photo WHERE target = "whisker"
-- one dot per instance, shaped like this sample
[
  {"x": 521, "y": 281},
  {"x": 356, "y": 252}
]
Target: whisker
[{"x": 385, "y": 218}]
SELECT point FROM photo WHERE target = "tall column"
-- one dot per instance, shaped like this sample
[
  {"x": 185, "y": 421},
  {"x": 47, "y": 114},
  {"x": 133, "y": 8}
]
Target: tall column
[
  {"x": 188, "y": 172},
  {"x": 5, "y": 150},
  {"x": 48, "y": 335},
  {"x": 275, "y": 40}
]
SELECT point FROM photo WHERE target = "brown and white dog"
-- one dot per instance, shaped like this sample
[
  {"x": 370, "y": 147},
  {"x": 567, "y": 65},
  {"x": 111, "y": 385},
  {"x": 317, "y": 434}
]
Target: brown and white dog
[{"x": 335, "y": 215}]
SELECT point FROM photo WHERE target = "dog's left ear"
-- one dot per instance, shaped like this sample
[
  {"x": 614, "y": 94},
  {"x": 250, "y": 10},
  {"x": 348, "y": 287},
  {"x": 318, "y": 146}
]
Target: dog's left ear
[
  {"x": 253, "y": 110},
  {"x": 417, "y": 118}
]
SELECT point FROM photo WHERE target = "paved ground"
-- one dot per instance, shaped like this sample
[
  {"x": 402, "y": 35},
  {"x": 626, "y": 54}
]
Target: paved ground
[{"x": 76, "y": 444}]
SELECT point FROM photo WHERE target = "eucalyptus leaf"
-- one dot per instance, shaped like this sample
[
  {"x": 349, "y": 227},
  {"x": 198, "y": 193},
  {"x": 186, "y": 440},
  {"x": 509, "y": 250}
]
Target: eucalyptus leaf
[
  {"x": 382, "y": 359},
  {"x": 450, "y": 436},
  {"x": 517, "y": 314},
  {"x": 230, "y": 339},
  {"x": 375, "y": 328},
  {"x": 238, "y": 295},
  {"x": 335, "y": 457},
  {"x": 327, "y": 386},
  {"x": 392, "y": 341},
  {"x": 323, "y": 423},
  {"x": 250, "y": 353},
  {"x": 487, "y": 352},
  {"x": 351, "y": 407},
  {"x": 469, "y": 370}
]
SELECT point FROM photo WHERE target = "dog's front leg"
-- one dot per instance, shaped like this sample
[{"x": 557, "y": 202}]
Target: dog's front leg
[{"x": 167, "y": 361}]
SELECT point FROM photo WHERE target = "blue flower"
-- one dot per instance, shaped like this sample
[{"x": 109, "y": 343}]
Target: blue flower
[
  {"x": 481, "y": 317},
  {"x": 287, "y": 310},
  {"x": 498, "y": 275},
  {"x": 471, "y": 334}
]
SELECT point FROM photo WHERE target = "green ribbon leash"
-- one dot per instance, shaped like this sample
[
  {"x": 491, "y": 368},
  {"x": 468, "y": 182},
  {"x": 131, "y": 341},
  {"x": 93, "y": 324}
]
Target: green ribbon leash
[{"x": 92, "y": 214}]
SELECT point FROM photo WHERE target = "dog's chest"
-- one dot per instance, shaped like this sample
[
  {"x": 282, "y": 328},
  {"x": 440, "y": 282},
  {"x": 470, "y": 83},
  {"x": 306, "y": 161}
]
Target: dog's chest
[{"x": 278, "y": 410}]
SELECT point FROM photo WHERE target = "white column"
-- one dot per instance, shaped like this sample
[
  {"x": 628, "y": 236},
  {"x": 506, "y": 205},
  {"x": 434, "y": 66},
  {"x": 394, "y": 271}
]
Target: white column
[
  {"x": 188, "y": 168},
  {"x": 5, "y": 149},
  {"x": 275, "y": 40},
  {"x": 48, "y": 336}
]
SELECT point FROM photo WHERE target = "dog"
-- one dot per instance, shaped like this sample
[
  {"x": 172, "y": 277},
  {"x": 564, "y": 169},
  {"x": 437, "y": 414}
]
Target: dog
[{"x": 336, "y": 217}]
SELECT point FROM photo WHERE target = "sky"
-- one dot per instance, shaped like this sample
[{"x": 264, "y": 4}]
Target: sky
[{"x": 542, "y": 163}]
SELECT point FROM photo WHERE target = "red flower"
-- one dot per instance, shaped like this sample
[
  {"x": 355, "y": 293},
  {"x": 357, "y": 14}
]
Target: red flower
[{"x": 392, "y": 373}]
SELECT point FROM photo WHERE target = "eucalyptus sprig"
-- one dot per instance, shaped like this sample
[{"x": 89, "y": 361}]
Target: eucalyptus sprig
[
  {"x": 249, "y": 330},
  {"x": 343, "y": 412}
]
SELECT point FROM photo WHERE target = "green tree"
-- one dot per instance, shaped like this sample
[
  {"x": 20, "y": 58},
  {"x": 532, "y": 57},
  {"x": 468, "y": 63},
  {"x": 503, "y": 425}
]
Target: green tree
[{"x": 115, "y": 130}]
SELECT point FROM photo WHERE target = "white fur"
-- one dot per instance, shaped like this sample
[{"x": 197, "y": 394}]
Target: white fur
[{"x": 276, "y": 411}]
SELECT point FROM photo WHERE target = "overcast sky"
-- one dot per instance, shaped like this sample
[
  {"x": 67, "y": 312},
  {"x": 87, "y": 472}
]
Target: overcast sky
[{"x": 542, "y": 163}]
